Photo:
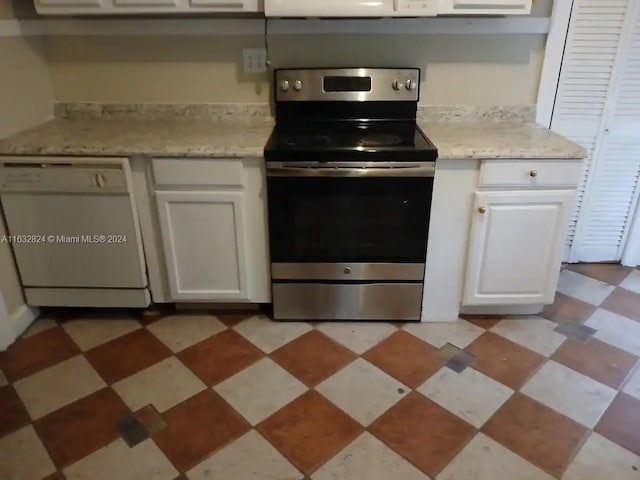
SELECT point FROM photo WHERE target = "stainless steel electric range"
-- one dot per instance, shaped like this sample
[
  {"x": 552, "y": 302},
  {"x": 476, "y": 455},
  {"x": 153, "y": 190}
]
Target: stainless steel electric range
[{"x": 349, "y": 185}]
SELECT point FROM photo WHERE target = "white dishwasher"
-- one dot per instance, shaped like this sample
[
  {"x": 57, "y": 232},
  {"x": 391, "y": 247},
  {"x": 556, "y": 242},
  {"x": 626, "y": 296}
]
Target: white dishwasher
[{"x": 73, "y": 227}]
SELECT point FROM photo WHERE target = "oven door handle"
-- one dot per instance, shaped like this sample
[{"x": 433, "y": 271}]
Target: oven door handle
[{"x": 425, "y": 170}]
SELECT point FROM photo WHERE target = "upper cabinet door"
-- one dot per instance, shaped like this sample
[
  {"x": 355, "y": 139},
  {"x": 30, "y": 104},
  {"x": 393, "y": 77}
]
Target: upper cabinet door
[
  {"x": 516, "y": 245},
  {"x": 485, "y": 7}
]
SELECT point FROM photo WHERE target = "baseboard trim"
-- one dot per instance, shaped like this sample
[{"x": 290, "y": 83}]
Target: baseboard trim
[{"x": 18, "y": 322}]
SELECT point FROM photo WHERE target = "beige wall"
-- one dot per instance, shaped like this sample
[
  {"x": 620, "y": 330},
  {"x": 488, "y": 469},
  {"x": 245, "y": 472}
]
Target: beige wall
[{"x": 26, "y": 99}]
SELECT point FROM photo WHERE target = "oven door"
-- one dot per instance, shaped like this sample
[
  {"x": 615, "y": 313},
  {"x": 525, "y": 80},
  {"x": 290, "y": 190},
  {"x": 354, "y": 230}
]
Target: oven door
[{"x": 335, "y": 221}]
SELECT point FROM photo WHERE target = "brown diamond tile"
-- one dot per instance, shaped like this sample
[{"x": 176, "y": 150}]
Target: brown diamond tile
[
  {"x": 309, "y": 430},
  {"x": 598, "y": 360},
  {"x": 423, "y": 432},
  {"x": 197, "y": 427},
  {"x": 504, "y": 360},
  {"x": 31, "y": 354},
  {"x": 611, "y": 273},
  {"x": 621, "y": 422},
  {"x": 82, "y": 427},
  {"x": 13, "y": 415},
  {"x": 568, "y": 309},
  {"x": 623, "y": 302},
  {"x": 230, "y": 319},
  {"x": 220, "y": 356},
  {"x": 537, "y": 433},
  {"x": 127, "y": 355},
  {"x": 313, "y": 357},
  {"x": 483, "y": 321},
  {"x": 405, "y": 357}
]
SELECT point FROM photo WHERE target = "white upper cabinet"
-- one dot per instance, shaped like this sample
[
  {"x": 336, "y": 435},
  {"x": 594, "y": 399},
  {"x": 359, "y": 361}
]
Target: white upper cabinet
[
  {"x": 128, "y": 7},
  {"x": 484, "y": 7}
]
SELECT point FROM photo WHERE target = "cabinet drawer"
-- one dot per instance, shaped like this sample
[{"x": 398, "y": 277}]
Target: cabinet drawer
[
  {"x": 197, "y": 172},
  {"x": 530, "y": 173}
]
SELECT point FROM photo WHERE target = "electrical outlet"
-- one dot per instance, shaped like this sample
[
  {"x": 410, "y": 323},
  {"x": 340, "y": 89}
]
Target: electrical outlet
[{"x": 254, "y": 60}]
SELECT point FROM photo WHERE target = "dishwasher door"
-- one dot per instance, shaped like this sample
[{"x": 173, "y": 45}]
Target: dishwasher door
[{"x": 73, "y": 224}]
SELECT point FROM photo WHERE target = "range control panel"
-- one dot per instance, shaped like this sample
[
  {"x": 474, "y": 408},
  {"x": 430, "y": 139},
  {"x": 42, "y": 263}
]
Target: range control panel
[{"x": 420, "y": 8}]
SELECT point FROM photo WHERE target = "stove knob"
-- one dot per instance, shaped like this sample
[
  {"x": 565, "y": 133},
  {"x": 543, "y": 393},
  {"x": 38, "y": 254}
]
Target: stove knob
[
  {"x": 284, "y": 85},
  {"x": 397, "y": 85},
  {"x": 297, "y": 85},
  {"x": 410, "y": 84}
]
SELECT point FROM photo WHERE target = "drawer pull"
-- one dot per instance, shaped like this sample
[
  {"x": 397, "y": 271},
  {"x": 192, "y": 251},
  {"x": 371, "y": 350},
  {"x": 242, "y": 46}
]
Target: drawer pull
[
  {"x": 533, "y": 173},
  {"x": 482, "y": 210}
]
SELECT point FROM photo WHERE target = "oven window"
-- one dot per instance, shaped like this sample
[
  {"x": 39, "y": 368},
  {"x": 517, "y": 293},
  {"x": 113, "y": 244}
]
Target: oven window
[{"x": 349, "y": 219}]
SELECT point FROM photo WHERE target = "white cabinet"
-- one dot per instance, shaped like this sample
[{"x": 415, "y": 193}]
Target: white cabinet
[
  {"x": 515, "y": 246},
  {"x": 128, "y": 7},
  {"x": 204, "y": 244},
  {"x": 484, "y": 7}
]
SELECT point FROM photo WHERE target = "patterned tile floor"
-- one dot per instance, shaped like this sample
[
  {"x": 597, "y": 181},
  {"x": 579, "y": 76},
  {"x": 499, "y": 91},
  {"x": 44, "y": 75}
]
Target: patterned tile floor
[{"x": 236, "y": 396}]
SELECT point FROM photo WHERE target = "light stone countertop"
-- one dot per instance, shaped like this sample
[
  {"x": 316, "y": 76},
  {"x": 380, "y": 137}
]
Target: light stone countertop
[{"x": 245, "y": 136}]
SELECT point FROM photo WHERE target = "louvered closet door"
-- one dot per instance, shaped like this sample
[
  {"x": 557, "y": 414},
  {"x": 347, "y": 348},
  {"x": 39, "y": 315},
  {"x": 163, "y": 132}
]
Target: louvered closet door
[{"x": 593, "y": 41}]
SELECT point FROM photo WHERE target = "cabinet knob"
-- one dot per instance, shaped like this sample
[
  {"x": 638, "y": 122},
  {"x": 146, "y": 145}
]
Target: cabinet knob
[
  {"x": 100, "y": 180},
  {"x": 533, "y": 173},
  {"x": 482, "y": 210},
  {"x": 347, "y": 270}
]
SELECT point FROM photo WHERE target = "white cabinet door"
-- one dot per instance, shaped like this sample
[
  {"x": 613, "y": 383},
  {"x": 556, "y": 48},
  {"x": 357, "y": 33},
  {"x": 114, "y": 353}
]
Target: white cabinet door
[
  {"x": 516, "y": 245},
  {"x": 203, "y": 235}
]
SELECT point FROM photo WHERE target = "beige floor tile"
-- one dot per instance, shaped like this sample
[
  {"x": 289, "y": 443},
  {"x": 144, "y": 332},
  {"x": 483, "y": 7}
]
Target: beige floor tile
[
  {"x": 91, "y": 332},
  {"x": 118, "y": 461},
  {"x": 57, "y": 386},
  {"x": 23, "y": 457},
  {"x": 632, "y": 386},
  {"x": 181, "y": 331},
  {"x": 601, "y": 459},
  {"x": 583, "y": 288},
  {"x": 250, "y": 457},
  {"x": 616, "y": 330},
  {"x": 485, "y": 459},
  {"x": 368, "y": 458},
  {"x": 357, "y": 336},
  {"x": 632, "y": 282},
  {"x": 570, "y": 393},
  {"x": 268, "y": 335},
  {"x": 459, "y": 333},
  {"x": 39, "y": 325},
  {"x": 535, "y": 333},
  {"x": 260, "y": 390},
  {"x": 363, "y": 390},
  {"x": 470, "y": 395},
  {"x": 163, "y": 385}
]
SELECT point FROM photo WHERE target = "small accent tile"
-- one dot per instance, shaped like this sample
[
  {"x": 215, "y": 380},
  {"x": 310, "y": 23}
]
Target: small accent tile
[
  {"x": 611, "y": 273},
  {"x": 250, "y": 457},
  {"x": 22, "y": 456},
  {"x": 368, "y": 458},
  {"x": 181, "y": 331},
  {"x": 600, "y": 459},
  {"x": 405, "y": 358},
  {"x": 13, "y": 415},
  {"x": 422, "y": 432},
  {"x": 459, "y": 363},
  {"x": 459, "y": 333},
  {"x": 197, "y": 427},
  {"x": 447, "y": 352},
  {"x": 485, "y": 459},
  {"x": 30, "y": 355},
  {"x": 568, "y": 309},
  {"x": 131, "y": 430},
  {"x": 260, "y": 390},
  {"x": 309, "y": 430},
  {"x": 504, "y": 360},
  {"x": 268, "y": 335},
  {"x": 598, "y": 360},
  {"x": 616, "y": 330},
  {"x": 312, "y": 357},
  {"x": 575, "y": 331},
  {"x": 570, "y": 393},
  {"x": 82, "y": 427},
  {"x": 220, "y": 356},
  {"x": 537, "y": 433},
  {"x": 534, "y": 333},
  {"x": 163, "y": 385},
  {"x": 63, "y": 383},
  {"x": 623, "y": 302},
  {"x": 357, "y": 336},
  {"x": 470, "y": 395},
  {"x": 583, "y": 288},
  {"x": 150, "y": 419},
  {"x": 377, "y": 391},
  {"x": 621, "y": 422},
  {"x": 93, "y": 331},
  {"x": 118, "y": 461}
]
